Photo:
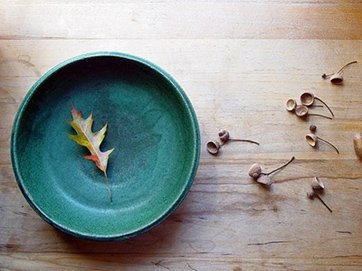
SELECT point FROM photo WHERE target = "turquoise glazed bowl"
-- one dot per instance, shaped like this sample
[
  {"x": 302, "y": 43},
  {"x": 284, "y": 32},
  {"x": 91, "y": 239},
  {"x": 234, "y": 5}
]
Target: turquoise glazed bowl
[{"x": 151, "y": 125}]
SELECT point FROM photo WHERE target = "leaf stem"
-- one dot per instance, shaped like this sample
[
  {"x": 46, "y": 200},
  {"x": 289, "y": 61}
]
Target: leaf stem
[
  {"x": 281, "y": 167},
  {"x": 108, "y": 185},
  {"x": 329, "y": 143}
]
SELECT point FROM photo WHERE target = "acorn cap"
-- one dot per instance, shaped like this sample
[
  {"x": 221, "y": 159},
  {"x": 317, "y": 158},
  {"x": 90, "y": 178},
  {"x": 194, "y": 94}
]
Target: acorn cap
[
  {"x": 264, "y": 179},
  {"x": 311, "y": 139},
  {"x": 291, "y": 105},
  {"x": 317, "y": 184},
  {"x": 336, "y": 79},
  {"x": 213, "y": 147},
  {"x": 307, "y": 98},
  {"x": 301, "y": 110}
]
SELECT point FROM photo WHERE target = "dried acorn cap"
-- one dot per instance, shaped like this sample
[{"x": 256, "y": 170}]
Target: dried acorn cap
[
  {"x": 313, "y": 128},
  {"x": 311, "y": 139},
  {"x": 264, "y": 179},
  {"x": 224, "y": 135},
  {"x": 317, "y": 185},
  {"x": 336, "y": 79},
  {"x": 255, "y": 171},
  {"x": 301, "y": 110},
  {"x": 213, "y": 147},
  {"x": 291, "y": 105},
  {"x": 307, "y": 98}
]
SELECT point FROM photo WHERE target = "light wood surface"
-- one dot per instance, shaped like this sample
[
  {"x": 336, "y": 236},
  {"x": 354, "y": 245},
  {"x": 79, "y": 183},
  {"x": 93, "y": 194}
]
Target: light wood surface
[{"x": 238, "y": 61}]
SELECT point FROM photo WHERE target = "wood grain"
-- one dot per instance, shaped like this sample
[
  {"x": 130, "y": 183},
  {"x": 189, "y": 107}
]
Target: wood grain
[
  {"x": 181, "y": 19},
  {"x": 238, "y": 61}
]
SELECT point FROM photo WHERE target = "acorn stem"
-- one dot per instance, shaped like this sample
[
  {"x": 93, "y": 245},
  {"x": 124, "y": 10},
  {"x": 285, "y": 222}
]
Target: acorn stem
[
  {"x": 329, "y": 143},
  {"x": 244, "y": 140},
  {"x": 343, "y": 67},
  {"x": 283, "y": 166},
  {"x": 325, "y": 76},
  {"x": 330, "y": 110},
  {"x": 319, "y": 115},
  {"x": 325, "y": 204}
]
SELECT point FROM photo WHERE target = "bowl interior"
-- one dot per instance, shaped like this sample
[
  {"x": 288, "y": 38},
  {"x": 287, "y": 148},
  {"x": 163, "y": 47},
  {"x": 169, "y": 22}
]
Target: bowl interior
[{"x": 151, "y": 125}]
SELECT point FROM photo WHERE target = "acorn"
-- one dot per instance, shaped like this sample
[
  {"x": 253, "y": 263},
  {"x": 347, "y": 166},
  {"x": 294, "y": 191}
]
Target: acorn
[
  {"x": 357, "y": 143},
  {"x": 313, "y": 128},
  {"x": 311, "y": 194},
  {"x": 255, "y": 171},
  {"x": 224, "y": 135}
]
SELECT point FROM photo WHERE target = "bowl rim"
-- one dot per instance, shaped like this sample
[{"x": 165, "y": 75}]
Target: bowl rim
[{"x": 192, "y": 172}]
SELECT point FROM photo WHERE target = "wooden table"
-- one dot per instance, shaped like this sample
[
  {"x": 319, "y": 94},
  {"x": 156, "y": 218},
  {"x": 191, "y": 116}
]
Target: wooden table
[{"x": 238, "y": 61}]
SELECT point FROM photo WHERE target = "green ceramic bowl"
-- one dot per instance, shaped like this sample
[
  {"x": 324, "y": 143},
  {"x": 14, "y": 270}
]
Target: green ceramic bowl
[{"x": 151, "y": 125}]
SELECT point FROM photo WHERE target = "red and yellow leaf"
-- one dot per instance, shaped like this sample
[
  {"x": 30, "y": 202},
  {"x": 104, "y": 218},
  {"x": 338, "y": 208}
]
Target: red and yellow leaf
[{"x": 89, "y": 139}]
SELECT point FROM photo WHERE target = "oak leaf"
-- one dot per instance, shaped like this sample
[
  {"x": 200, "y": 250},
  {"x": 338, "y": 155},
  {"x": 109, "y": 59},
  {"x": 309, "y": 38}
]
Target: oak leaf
[{"x": 90, "y": 140}]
